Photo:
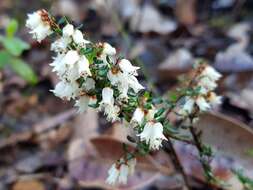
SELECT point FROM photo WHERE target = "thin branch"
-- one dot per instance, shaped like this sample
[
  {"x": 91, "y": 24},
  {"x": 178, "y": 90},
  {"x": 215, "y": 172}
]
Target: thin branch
[{"x": 177, "y": 163}]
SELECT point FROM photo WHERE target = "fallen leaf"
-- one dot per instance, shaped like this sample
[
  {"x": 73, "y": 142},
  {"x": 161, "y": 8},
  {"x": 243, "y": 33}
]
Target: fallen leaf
[
  {"x": 229, "y": 137},
  {"x": 28, "y": 185}
]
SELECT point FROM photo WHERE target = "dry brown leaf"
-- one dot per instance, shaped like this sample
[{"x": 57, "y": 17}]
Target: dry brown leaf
[
  {"x": 229, "y": 137},
  {"x": 28, "y": 185},
  {"x": 111, "y": 149}
]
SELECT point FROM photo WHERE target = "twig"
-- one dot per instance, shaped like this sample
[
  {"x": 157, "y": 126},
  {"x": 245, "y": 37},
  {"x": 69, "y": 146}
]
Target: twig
[
  {"x": 202, "y": 156},
  {"x": 177, "y": 163}
]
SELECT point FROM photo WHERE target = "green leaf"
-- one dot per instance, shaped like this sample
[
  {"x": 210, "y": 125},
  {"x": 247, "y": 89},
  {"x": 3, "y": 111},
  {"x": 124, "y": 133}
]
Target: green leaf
[
  {"x": 23, "y": 70},
  {"x": 11, "y": 28},
  {"x": 159, "y": 112},
  {"x": 62, "y": 21},
  {"x": 14, "y": 45},
  {"x": 4, "y": 58}
]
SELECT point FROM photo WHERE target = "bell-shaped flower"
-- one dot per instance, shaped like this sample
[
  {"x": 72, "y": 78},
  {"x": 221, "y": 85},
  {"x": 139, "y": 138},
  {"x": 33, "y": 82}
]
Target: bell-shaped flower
[
  {"x": 153, "y": 135},
  {"x": 138, "y": 117},
  {"x": 107, "y": 104},
  {"x": 119, "y": 172},
  {"x": 68, "y": 30},
  {"x": 78, "y": 38},
  {"x": 127, "y": 68},
  {"x": 40, "y": 28},
  {"x": 202, "y": 103},
  {"x": 65, "y": 90}
]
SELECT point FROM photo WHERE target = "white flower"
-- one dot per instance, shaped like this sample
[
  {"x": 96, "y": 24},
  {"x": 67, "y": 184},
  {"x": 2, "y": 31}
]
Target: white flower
[
  {"x": 58, "y": 65},
  {"x": 68, "y": 30},
  {"x": 124, "y": 81},
  {"x": 83, "y": 66},
  {"x": 41, "y": 32},
  {"x": 138, "y": 117},
  {"x": 127, "y": 68},
  {"x": 113, "y": 175},
  {"x": 202, "y": 103},
  {"x": 152, "y": 134},
  {"x": 187, "y": 107},
  {"x": 213, "y": 99},
  {"x": 71, "y": 58},
  {"x": 39, "y": 29},
  {"x": 108, "y": 49},
  {"x": 107, "y": 96},
  {"x": 119, "y": 172},
  {"x": 78, "y": 38},
  {"x": 211, "y": 73},
  {"x": 89, "y": 84},
  {"x": 206, "y": 85},
  {"x": 66, "y": 90},
  {"x": 107, "y": 104},
  {"x": 60, "y": 45},
  {"x": 123, "y": 173},
  {"x": 34, "y": 20},
  {"x": 82, "y": 103},
  {"x": 134, "y": 84}
]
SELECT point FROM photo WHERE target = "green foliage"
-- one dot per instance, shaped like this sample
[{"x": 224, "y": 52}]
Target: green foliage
[
  {"x": 4, "y": 58},
  {"x": 13, "y": 48},
  {"x": 12, "y": 28},
  {"x": 23, "y": 69}
]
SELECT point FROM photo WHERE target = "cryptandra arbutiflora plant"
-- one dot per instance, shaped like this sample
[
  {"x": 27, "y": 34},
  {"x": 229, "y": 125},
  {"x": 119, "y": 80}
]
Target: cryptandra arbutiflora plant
[{"x": 93, "y": 76}]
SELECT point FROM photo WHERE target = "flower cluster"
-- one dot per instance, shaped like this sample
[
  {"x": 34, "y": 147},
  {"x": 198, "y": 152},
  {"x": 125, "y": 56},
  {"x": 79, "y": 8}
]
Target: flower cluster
[
  {"x": 120, "y": 171},
  {"x": 202, "y": 96},
  {"x": 92, "y": 76}
]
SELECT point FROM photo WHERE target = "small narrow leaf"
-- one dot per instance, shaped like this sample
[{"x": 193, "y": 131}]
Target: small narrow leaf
[
  {"x": 14, "y": 45},
  {"x": 4, "y": 58},
  {"x": 11, "y": 28},
  {"x": 24, "y": 70}
]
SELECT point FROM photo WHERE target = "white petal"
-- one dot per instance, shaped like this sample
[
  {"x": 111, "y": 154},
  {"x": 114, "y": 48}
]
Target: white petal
[
  {"x": 89, "y": 84},
  {"x": 107, "y": 96},
  {"x": 82, "y": 103},
  {"x": 152, "y": 134},
  {"x": 134, "y": 84},
  {"x": 83, "y": 66},
  {"x": 113, "y": 174},
  {"x": 41, "y": 32},
  {"x": 123, "y": 173},
  {"x": 138, "y": 116},
  {"x": 78, "y": 38},
  {"x": 211, "y": 73},
  {"x": 108, "y": 49},
  {"x": 187, "y": 107},
  {"x": 34, "y": 20},
  {"x": 68, "y": 30},
  {"x": 202, "y": 104},
  {"x": 127, "y": 67},
  {"x": 71, "y": 57},
  {"x": 66, "y": 90},
  {"x": 61, "y": 44}
]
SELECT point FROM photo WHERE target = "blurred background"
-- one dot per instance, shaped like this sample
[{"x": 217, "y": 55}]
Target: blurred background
[{"x": 45, "y": 145}]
